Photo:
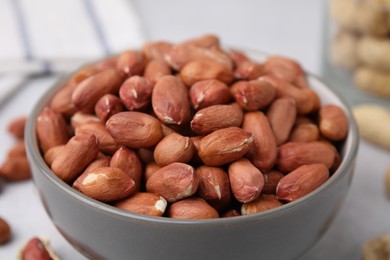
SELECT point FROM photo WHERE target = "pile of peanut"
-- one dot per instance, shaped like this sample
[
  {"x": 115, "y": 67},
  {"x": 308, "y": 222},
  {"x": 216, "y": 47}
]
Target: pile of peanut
[
  {"x": 362, "y": 42},
  {"x": 191, "y": 130}
]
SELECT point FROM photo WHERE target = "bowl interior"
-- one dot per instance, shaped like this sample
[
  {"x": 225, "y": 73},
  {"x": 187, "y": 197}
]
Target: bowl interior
[{"x": 348, "y": 151}]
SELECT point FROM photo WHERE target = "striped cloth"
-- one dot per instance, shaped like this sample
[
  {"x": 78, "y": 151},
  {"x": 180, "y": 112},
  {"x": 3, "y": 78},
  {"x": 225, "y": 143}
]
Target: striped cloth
[{"x": 51, "y": 36}]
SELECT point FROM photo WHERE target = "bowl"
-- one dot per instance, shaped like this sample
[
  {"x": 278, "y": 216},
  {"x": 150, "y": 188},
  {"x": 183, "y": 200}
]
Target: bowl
[{"x": 100, "y": 231}]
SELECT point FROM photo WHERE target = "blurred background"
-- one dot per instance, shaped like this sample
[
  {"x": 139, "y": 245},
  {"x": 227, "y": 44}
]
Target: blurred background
[{"x": 41, "y": 40}]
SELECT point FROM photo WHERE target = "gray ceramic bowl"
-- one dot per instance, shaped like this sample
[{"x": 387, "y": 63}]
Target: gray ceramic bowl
[{"x": 98, "y": 230}]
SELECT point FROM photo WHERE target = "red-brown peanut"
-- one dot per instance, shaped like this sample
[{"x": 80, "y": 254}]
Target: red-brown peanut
[
  {"x": 191, "y": 131},
  {"x": 246, "y": 180}
]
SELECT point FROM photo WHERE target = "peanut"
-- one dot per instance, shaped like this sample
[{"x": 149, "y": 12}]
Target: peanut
[
  {"x": 105, "y": 184},
  {"x": 209, "y": 92},
  {"x": 75, "y": 156},
  {"x": 333, "y": 123},
  {"x": 264, "y": 150},
  {"x": 281, "y": 115},
  {"x": 192, "y": 208},
  {"x": 170, "y": 101},
  {"x": 143, "y": 203},
  {"x": 174, "y": 148},
  {"x": 292, "y": 155},
  {"x": 145, "y": 130},
  {"x": 253, "y": 95},
  {"x": 51, "y": 129},
  {"x": 246, "y": 180},
  {"x": 173, "y": 182},
  {"x": 5, "y": 232},
  {"x": 262, "y": 203},
  {"x": 224, "y": 145},
  {"x": 107, "y": 106},
  {"x": 90, "y": 90},
  {"x": 214, "y": 186},
  {"x": 16, "y": 127},
  {"x": 216, "y": 117},
  {"x": 301, "y": 181}
]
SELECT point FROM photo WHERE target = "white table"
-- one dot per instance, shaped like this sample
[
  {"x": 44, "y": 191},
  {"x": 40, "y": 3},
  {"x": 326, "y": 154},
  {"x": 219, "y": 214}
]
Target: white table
[{"x": 292, "y": 28}]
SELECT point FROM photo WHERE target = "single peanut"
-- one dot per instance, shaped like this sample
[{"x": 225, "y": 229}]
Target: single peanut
[
  {"x": 271, "y": 180},
  {"x": 301, "y": 181},
  {"x": 253, "y": 95},
  {"x": 248, "y": 70},
  {"x": 209, "y": 92},
  {"x": 107, "y": 106},
  {"x": 143, "y": 203},
  {"x": 90, "y": 90},
  {"x": 80, "y": 118},
  {"x": 281, "y": 115},
  {"x": 127, "y": 160},
  {"x": 131, "y": 62},
  {"x": 145, "y": 130},
  {"x": 5, "y": 231},
  {"x": 174, "y": 148},
  {"x": 306, "y": 132},
  {"x": 333, "y": 123},
  {"x": 75, "y": 156},
  {"x": 292, "y": 155},
  {"x": 224, "y": 145},
  {"x": 262, "y": 203},
  {"x": 156, "y": 50},
  {"x": 173, "y": 182},
  {"x": 156, "y": 69},
  {"x": 51, "y": 129},
  {"x": 16, "y": 127},
  {"x": 136, "y": 93},
  {"x": 192, "y": 208},
  {"x": 263, "y": 153},
  {"x": 105, "y": 184},
  {"x": 199, "y": 70},
  {"x": 214, "y": 186},
  {"x": 15, "y": 168},
  {"x": 36, "y": 249},
  {"x": 170, "y": 101},
  {"x": 246, "y": 180},
  {"x": 216, "y": 117}
]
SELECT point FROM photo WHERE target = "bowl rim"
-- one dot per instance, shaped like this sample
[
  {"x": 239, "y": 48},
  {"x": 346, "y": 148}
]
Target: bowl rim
[{"x": 35, "y": 157}]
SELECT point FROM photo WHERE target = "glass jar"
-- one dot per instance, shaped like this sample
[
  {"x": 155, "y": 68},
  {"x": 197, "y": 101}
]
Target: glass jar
[{"x": 356, "y": 58}]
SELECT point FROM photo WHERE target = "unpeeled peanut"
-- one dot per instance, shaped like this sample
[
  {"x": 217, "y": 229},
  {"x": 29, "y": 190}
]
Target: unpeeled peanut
[
  {"x": 301, "y": 181},
  {"x": 192, "y": 208},
  {"x": 246, "y": 180},
  {"x": 263, "y": 152},
  {"x": 5, "y": 231},
  {"x": 145, "y": 130},
  {"x": 214, "y": 186},
  {"x": 174, "y": 148},
  {"x": 170, "y": 101},
  {"x": 51, "y": 129},
  {"x": 143, "y": 203},
  {"x": 105, "y": 184},
  {"x": 209, "y": 92},
  {"x": 173, "y": 182},
  {"x": 216, "y": 117},
  {"x": 224, "y": 146},
  {"x": 75, "y": 156}
]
